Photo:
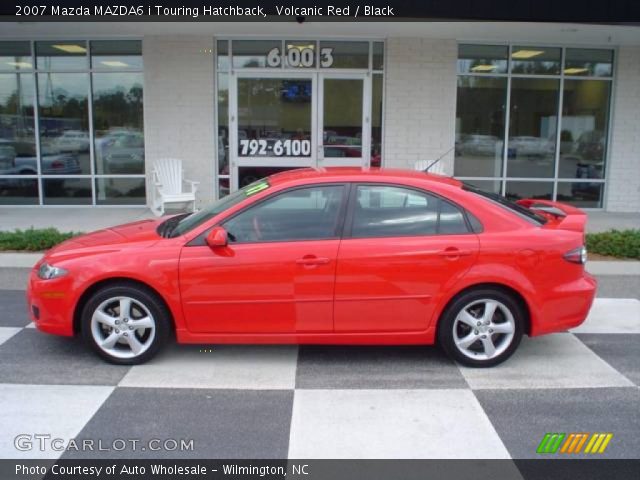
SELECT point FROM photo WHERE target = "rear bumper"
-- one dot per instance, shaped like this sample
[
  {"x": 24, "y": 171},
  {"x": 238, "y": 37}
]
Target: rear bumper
[
  {"x": 566, "y": 307},
  {"x": 50, "y": 305}
]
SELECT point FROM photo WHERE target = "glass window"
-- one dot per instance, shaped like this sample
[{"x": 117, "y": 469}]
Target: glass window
[
  {"x": 62, "y": 55},
  {"x": 534, "y": 119},
  {"x": 385, "y": 211},
  {"x": 222, "y": 50},
  {"x": 480, "y": 121},
  {"x": 249, "y": 175},
  {"x": 451, "y": 220},
  {"x": 344, "y": 54},
  {"x": 532, "y": 127},
  {"x": 116, "y": 55},
  {"x": 490, "y": 186},
  {"x": 223, "y": 124},
  {"x": 539, "y": 190},
  {"x": 274, "y": 117},
  {"x": 588, "y": 62},
  {"x": 17, "y": 135},
  {"x": 378, "y": 55},
  {"x": 64, "y": 123},
  {"x": 342, "y": 117},
  {"x": 506, "y": 204},
  {"x": 535, "y": 60},
  {"x": 191, "y": 221},
  {"x": 376, "y": 120},
  {"x": 224, "y": 186},
  {"x": 253, "y": 53},
  {"x": 583, "y": 138},
  {"x": 301, "y": 214},
  {"x": 118, "y": 123},
  {"x": 66, "y": 191},
  {"x": 18, "y": 191},
  {"x": 581, "y": 194},
  {"x": 59, "y": 89},
  {"x": 120, "y": 191},
  {"x": 15, "y": 56},
  {"x": 482, "y": 58}
]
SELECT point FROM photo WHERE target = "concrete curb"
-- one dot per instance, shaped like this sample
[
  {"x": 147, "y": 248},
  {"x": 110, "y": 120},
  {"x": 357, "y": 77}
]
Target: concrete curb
[
  {"x": 28, "y": 260},
  {"x": 19, "y": 260},
  {"x": 630, "y": 267}
]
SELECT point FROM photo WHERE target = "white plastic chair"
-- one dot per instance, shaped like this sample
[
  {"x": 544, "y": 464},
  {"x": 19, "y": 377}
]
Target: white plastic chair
[{"x": 168, "y": 182}]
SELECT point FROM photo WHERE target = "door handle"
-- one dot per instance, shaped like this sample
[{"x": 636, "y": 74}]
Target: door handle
[
  {"x": 453, "y": 252},
  {"x": 310, "y": 260}
]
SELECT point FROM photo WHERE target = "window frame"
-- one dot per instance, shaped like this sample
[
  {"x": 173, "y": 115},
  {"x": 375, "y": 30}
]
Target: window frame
[
  {"x": 347, "y": 232},
  {"x": 201, "y": 239},
  {"x": 556, "y": 180},
  {"x": 92, "y": 175}
]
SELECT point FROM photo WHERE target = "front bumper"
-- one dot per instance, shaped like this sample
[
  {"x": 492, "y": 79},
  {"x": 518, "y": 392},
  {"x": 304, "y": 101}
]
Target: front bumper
[
  {"x": 50, "y": 304},
  {"x": 566, "y": 307}
]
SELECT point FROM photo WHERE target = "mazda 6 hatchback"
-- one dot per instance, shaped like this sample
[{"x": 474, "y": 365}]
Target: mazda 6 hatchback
[{"x": 325, "y": 256}]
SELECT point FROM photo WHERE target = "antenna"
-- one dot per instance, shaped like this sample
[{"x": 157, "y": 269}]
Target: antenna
[{"x": 438, "y": 159}]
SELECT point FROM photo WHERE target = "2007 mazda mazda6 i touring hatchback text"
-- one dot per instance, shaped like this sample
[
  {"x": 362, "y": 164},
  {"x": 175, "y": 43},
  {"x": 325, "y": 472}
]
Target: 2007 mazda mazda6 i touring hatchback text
[{"x": 332, "y": 256}]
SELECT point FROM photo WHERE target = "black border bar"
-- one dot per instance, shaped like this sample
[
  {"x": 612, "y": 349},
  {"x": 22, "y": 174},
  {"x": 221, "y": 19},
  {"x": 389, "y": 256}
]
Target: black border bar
[
  {"x": 544, "y": 468},
  {"x": 573, "y": 11}
]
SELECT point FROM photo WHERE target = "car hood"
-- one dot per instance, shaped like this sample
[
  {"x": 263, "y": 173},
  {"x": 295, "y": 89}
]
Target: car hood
[{"x": 114, "y": 237}]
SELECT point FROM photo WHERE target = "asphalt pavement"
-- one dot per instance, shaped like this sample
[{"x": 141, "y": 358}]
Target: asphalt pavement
[{"x": 325, "y": 401}]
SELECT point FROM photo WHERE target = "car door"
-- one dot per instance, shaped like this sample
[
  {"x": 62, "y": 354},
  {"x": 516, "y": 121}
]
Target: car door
[
  {"x": 402, "y": 249},
  {"x": 277, "y": 273}
]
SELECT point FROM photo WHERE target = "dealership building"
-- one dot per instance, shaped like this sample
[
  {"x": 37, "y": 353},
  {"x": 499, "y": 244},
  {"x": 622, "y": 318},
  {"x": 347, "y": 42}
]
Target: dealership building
[{"x": 541, "y": 110}]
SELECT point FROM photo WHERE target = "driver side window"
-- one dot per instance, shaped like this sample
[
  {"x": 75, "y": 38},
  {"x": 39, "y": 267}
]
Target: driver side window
[{"x": 310, "y": 213}]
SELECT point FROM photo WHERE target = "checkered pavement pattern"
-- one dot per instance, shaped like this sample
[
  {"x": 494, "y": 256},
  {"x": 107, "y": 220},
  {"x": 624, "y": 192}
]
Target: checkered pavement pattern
[{"x": 325, "y": 401}]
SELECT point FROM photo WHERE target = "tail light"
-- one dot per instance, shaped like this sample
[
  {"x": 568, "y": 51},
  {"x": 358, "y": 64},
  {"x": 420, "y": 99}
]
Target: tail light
[
  {"x": 57, "y": 164},
  {"x": 577, "y": 255}
]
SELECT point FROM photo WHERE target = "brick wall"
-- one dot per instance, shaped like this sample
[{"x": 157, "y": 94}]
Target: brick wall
[
  {"x": 420, "y": 103},
  {"x": 179, "y": 107},
  {"x": 623, "y": 193}
]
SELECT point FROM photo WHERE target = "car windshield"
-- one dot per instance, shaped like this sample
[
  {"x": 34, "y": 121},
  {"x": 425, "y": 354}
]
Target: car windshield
[
  {"x": 194, "y": 220},
  {"x": 508, "y": 205}
]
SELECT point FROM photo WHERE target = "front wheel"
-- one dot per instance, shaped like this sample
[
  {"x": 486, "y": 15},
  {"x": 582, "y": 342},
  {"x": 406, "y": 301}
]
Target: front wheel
[
  {"x": 481, "y": 328},
  {"x": 125, "y": 324}
]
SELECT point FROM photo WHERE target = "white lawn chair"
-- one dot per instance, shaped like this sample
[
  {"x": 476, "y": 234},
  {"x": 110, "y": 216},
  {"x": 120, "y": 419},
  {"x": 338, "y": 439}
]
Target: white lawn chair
[{"x": 168, "y": 180}]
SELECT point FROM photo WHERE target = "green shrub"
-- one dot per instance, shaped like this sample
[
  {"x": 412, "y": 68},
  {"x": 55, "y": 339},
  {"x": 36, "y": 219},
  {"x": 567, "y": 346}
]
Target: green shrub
[
  {"x": 616, "y": 243},
  {"x": 33, "y": 240}
]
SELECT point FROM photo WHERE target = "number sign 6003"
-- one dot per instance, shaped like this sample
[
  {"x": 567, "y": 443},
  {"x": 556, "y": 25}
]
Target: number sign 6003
[{"x": 297, "y": 57}]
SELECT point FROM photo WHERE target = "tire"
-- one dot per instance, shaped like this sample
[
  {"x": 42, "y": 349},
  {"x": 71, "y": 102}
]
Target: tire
[
  {"x": 465, "y": 335},
  {"x": 113, "y": 336}
]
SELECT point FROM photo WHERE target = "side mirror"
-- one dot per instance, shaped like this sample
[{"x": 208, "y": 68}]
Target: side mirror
[{"x": 217, "y": 237}]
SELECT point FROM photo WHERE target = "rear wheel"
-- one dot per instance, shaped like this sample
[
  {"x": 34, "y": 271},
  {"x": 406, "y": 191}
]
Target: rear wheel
[
  {"x": 125, "y": 324},
  {"x": 481, "y": 328}
]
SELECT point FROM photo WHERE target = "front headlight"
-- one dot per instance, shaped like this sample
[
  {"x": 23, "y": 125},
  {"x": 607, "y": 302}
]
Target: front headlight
[{"x": 47, "y": 271}]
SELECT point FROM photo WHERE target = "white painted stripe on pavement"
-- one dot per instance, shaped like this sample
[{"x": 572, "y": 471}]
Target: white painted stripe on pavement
[{"x": 612, "y": 315}]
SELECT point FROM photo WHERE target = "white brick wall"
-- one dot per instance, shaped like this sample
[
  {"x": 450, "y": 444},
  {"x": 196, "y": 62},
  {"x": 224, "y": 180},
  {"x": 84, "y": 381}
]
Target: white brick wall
[
  {"x": 623, "y": 193},
  {"x": 179, "y": 106},
  {"x": 420, "y": 103}
]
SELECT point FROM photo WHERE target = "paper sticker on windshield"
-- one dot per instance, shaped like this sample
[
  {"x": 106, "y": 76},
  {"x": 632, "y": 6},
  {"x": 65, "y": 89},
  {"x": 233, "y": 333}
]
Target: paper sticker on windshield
[{"x": 258, "y": 187}]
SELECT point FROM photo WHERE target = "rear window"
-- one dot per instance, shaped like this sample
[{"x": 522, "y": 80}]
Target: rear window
[{"x": 507, "y": 204}]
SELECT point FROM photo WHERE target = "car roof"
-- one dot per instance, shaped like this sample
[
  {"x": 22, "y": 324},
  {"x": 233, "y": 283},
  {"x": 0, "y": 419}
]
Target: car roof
[{"x": 359, "y": 174}]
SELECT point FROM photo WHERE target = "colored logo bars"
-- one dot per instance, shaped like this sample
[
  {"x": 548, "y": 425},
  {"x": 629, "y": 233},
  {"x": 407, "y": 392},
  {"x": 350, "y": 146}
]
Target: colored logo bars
[{"x": 573, "y": 443}]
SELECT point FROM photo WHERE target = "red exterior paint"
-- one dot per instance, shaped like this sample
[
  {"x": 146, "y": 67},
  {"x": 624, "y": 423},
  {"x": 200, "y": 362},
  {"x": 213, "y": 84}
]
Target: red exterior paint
[{"x": 349, "y": 291}]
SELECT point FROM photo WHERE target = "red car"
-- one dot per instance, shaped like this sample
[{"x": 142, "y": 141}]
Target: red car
[{"x": 328, "y": 256}]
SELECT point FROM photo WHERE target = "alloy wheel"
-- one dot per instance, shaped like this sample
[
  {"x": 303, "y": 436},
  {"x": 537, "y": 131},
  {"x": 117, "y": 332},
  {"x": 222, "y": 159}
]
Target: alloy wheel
[
  {"x": 123, "y": 327},
  {"x": 483, "y": 329}
]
